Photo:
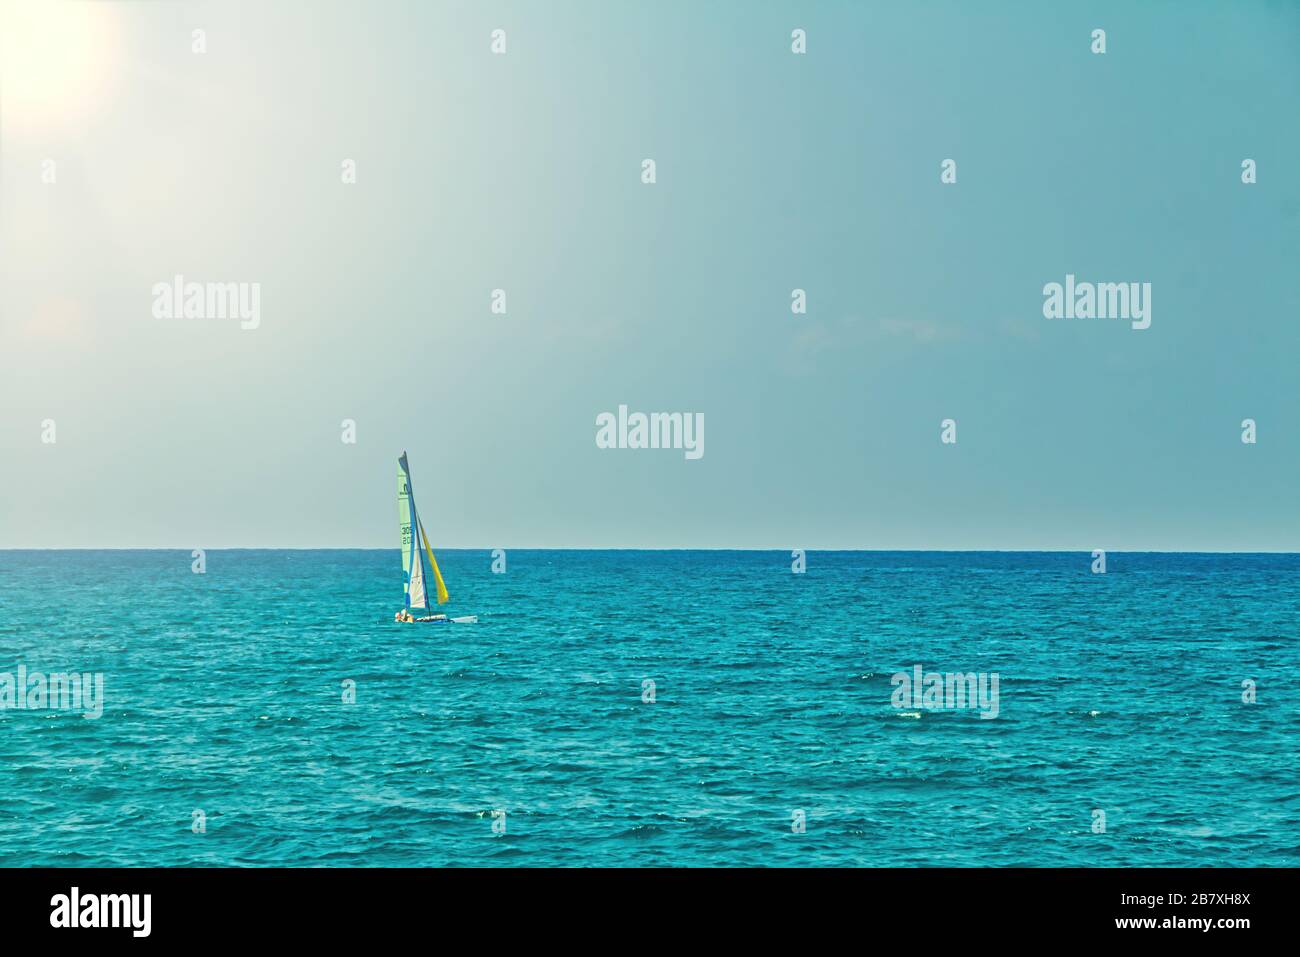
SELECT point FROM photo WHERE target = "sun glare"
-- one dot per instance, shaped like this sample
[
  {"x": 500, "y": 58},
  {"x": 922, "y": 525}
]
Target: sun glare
[{"x": 53, "y": 60}]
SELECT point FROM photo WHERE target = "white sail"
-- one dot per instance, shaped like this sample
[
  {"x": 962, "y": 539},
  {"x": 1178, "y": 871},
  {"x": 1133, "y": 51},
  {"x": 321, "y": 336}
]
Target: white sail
[
  {"x": 416, "y": 593},
  {"x": 412, "y": 563}
]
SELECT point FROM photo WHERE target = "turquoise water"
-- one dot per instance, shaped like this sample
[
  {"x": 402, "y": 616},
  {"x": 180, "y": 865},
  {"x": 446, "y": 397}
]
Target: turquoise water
[{"x": 1120, "y": 692}]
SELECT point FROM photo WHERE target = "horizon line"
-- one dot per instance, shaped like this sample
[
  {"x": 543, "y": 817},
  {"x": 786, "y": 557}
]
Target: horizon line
[{"x": 641, "y": 548}]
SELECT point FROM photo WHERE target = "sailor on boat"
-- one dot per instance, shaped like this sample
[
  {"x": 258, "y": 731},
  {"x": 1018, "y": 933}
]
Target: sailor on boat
[{"x": 405, "y": 615}]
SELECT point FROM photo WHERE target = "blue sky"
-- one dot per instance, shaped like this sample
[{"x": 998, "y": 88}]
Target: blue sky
[{"x": 774, "y": 172}]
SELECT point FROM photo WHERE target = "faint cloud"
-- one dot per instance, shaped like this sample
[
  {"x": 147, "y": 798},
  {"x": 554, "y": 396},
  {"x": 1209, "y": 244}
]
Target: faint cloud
[
  {"x": 923, "y": 331},
  {"x": 1024, "y": 329},
  {"x": 817, "y": 339},
  {"x": 819, "y": 335}
]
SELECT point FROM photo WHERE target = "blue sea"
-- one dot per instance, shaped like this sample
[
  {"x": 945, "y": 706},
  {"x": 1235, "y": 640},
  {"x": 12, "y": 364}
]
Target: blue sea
[{"x": 225, "y": 738}]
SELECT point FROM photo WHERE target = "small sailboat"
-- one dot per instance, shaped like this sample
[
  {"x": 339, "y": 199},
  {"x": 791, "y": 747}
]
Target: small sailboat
[{"x": 415, "y": 548}]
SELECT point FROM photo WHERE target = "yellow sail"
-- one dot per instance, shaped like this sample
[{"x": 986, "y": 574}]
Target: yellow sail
[{"x": 433, "y": 563}]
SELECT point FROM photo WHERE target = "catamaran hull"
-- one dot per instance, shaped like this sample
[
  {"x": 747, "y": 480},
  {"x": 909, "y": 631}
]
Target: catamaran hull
[{"x": 465, "y": 620}]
